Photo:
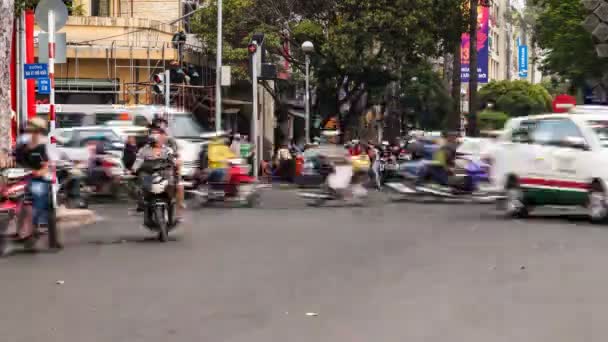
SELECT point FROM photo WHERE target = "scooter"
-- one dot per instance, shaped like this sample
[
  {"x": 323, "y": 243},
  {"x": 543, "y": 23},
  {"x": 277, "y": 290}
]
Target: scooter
[
  {"x": 341, "y": 186},
  {"x": 159, "y": 207},
  {"x": 240, "y": 188},
  {"x": 468, "y": 184},
  {"x": 16, "y": 209},
  {"x": 11, "y": 196}
]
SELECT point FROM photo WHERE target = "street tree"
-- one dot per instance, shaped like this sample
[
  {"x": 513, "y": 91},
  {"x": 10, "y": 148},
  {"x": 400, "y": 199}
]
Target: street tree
[
  {"x": 567, "y": 49},
  {"x": 360, "y": 45}
]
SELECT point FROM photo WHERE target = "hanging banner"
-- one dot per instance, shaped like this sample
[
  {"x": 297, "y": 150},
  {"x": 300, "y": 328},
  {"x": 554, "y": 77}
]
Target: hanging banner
[
  {"x": 523, "y": 61},
  {"x": 483, "y": 29}
]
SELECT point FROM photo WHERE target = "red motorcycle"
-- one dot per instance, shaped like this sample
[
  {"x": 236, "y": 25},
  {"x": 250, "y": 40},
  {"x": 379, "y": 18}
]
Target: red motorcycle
[
  {"x": 239, "y": 187},
  {"x": 11, "y": 192}
]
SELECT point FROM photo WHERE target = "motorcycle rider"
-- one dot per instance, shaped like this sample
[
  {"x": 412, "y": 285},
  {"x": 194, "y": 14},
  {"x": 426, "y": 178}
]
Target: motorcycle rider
[
  {"x": 374, "y": 157},
  {"x": 33, "y": 152},
  {"x": 158, "y": 150},
  {"x": 218, "y": 155},
  {"x": 443, "y": 162},
  {"x": 161, "y": 122}
]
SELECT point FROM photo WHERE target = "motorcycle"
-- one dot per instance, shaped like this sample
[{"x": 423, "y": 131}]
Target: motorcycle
[
  {"x": 240, "y": 188},
  {"x": 388, "y": 168},
  {"x": 467, "y": 184},
  {"x": 342, "y": 185},
  {"x": 113, "y": 168},
  {"x": 16, "y": 209},
  {"x": 12, "y": 192},
  {"x": 159, "y": 207}
]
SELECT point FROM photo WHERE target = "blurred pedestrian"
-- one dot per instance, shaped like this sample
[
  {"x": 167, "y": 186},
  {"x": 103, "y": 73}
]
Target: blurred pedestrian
[{"x": 129, "y": 153}]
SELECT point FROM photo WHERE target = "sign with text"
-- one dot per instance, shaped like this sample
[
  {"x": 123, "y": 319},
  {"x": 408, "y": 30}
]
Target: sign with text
[
  {"x": 483, "y": 24},
  {"x": 36, "y": 70},
  {"x": 44, "y": 86},
  {"x": 523, "y": 61}
]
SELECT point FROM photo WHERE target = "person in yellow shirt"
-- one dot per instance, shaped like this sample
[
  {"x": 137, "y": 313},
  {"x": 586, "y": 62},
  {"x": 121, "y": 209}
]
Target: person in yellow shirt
[{"x": 219, "y": 154}]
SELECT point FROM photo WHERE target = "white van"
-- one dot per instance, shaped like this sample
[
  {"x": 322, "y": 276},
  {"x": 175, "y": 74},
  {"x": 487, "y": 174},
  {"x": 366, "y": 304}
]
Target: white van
[{"x": 554, "y": 159}]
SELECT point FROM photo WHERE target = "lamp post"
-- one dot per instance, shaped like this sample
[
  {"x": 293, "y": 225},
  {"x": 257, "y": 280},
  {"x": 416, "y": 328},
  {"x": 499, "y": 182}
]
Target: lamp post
[
  {"x": 218, "y": 70},
  {"x": 308, "y": 48}
]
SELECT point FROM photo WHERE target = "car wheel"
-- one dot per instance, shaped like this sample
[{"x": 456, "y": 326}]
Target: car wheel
[
  {"x": 598, "y": 210},
  {"x": 514, "y": 205}
]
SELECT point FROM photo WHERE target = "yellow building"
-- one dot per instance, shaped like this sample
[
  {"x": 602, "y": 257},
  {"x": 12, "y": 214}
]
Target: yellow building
[{"x": 114, "y": 43}]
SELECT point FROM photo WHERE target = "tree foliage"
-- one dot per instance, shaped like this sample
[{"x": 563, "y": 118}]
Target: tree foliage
[
  {"x": 516, "y": 98},
  {"x": 492, "y": 120},
  {"x": 568, "y": 49},
  {"x": 361, "y": 45}
]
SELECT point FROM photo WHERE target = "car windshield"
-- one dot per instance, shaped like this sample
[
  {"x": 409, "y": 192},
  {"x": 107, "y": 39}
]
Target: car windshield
[
  {"x": 88, "y": 135},
  {"x": 184, "y": 126},
  {"x": 601, "y": 129}
]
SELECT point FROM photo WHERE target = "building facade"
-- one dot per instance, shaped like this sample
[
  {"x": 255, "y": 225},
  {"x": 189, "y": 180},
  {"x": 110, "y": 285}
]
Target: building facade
[
  {"x": 507, "y": 32},
  {"x": 114, "y": 44}
]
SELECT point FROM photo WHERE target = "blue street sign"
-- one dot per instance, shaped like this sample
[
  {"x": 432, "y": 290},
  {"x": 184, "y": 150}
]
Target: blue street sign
[
  {"x": 523, "y": 61},
  {"x": 44, "y": 86},
  {"x": 37, "y": 70}
]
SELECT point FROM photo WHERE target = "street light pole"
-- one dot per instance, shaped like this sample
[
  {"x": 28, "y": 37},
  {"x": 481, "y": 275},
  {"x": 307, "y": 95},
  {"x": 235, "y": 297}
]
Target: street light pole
[
  {"x": 308, "y": 48},
  {"x": 307, "y": 128},
  {"x": 218, "y": 70}
]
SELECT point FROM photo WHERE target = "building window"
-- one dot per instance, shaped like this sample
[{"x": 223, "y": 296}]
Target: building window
[{"x": 100, "y": 8}]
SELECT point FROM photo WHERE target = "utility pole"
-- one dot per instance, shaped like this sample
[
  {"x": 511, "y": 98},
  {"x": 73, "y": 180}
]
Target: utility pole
[
  {"x": 253, "y": 49},
  {"x": 167, "y": 91},
  {"x": 218, "y": 70}
]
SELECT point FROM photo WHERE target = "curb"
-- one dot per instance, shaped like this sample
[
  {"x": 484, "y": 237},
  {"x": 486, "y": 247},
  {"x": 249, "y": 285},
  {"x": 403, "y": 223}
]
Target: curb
[{"x": 74, "y": 218}]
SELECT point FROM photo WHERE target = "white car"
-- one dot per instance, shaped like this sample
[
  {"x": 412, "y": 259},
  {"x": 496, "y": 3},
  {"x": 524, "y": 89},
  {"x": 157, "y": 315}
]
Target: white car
[{"x": 554, "y": 159}]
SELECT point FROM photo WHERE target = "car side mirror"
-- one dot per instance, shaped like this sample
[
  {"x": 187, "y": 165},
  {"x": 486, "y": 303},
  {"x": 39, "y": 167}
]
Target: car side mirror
[{"x": 578, "y": 143}]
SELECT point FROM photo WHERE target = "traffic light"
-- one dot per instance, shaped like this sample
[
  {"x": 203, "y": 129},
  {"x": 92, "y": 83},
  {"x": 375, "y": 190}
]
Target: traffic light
[
  {"x": 252, "y": 48},
  {"x": 159, "y": 87}
]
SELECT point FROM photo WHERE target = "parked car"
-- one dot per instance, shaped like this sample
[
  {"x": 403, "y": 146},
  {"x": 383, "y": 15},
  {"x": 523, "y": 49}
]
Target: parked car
[
  {"x": 554, "y": 159},
  {"x": 72, "y": 142}
]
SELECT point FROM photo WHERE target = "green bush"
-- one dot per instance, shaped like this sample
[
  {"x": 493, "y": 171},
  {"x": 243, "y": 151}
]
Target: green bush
[
  {"x": 516, "y": 98},
  {"x": 490, "y": 120}
]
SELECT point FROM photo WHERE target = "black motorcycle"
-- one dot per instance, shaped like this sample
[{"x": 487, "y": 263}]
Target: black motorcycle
[{"x": 158, "y": 202}]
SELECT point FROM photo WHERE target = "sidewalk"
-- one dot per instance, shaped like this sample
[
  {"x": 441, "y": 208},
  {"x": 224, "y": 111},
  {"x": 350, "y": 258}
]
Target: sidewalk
[{"x": 67, "y": 219}]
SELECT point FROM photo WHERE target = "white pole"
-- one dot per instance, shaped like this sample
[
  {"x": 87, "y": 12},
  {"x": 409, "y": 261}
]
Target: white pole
[
  {"x": 307, "y": 123},
  {"x": 218, "y": 70},
  {"x": 19, "y": 71},
  {"x": 51, "y": 48},
  {"x": 254, "y": 116},
  {"x": 167, "y": 79}
]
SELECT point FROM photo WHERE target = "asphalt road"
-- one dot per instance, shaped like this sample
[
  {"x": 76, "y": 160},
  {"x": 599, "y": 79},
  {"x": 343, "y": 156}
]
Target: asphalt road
[{"x": 389, "y": 272}]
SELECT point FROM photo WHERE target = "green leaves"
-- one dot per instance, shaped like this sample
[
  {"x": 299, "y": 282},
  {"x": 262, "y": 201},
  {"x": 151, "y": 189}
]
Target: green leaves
[
  {"x": 569, "y": 49},
  {"x": 516, "y": 98}
]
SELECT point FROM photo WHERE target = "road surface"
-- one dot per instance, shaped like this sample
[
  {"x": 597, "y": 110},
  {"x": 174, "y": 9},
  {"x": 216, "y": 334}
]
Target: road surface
[{"x": 287, "y": 272}]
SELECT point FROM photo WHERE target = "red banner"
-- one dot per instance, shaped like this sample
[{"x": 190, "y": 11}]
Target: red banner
[{"x": 29, "y": 58}]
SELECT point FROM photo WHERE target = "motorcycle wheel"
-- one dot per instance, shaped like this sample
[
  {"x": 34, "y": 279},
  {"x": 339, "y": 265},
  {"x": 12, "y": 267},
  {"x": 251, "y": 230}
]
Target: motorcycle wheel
[
  {"x": 253, "y": 200},
  {"x": 161, "y": 219}
]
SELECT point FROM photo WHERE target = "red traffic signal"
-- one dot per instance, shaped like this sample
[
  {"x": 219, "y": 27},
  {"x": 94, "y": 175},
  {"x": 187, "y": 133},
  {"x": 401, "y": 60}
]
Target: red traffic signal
[{"x": 252, "y": 48}]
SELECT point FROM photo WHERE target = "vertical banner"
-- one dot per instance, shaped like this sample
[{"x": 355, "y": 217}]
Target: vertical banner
[
  {"x": 483, "y": 29},
  {"x": 523, "y": 61}
]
